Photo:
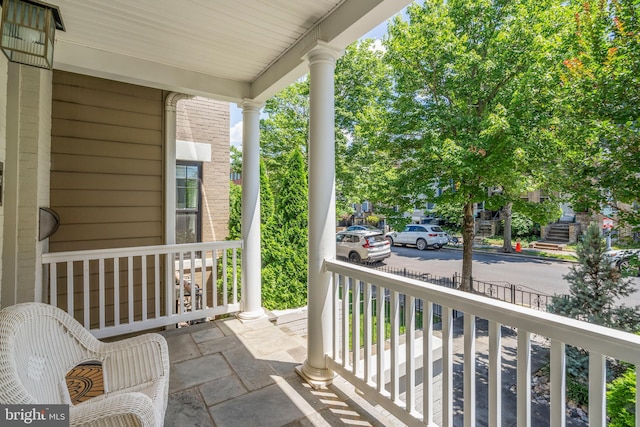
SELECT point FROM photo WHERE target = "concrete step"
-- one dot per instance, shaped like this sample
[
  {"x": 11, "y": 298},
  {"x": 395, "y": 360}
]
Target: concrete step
[{"x": 548, "y": 245}]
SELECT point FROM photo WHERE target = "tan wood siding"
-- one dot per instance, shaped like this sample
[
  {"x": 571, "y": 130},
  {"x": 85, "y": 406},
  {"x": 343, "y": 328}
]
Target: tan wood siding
[{"x": 106, "y": 163}]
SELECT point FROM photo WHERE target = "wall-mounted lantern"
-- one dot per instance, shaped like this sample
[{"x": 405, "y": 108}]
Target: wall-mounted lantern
[{"x": 28, "y": 31}]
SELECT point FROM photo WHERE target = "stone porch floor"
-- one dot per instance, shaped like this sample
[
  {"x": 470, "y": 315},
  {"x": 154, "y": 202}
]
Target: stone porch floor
[{"x": 229, "y": 373}]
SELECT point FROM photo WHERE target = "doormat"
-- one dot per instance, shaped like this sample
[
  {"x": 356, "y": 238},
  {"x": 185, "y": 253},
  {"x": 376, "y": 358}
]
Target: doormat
[{"x": 85, "y": 382}]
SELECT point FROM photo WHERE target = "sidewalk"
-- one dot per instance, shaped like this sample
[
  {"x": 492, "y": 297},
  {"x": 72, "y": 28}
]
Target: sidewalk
[{"x": 541, "y": 254}]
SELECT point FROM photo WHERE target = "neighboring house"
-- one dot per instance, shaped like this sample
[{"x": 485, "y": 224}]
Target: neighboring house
[{"x": 202, "y": 144}]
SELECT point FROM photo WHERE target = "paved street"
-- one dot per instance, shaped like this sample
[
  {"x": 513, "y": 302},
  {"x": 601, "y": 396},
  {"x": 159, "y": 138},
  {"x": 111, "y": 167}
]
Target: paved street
[{"x": 537, "y": 275}]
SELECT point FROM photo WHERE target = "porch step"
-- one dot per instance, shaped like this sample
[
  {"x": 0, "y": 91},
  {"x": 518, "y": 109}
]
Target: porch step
[
  {"x": 548, "y": 245},
  {"x": 558, "y": 232}
]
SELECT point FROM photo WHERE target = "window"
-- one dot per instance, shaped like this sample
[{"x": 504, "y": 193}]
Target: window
[{"x": 188, "y": 202}]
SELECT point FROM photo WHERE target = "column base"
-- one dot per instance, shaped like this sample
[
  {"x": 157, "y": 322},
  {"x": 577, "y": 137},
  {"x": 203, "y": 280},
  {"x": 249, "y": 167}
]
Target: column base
[
  {"x": 251, "y": 315},
  {"x": 317, "y": 378}
]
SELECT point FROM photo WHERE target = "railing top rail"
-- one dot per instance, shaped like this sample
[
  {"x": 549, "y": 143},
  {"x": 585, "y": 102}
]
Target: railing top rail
[
  {"x": 52, "y": 257},
  {"x": 611, "y": 342}
]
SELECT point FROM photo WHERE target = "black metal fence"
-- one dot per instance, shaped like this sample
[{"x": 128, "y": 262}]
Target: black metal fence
[{"x": 507, "y": 292}]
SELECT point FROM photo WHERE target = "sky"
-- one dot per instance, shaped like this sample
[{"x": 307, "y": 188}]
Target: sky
[{"x": 235, "y": 134}]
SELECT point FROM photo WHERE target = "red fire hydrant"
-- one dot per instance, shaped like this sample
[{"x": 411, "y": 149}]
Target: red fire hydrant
[{"x": 518, "y": 246}]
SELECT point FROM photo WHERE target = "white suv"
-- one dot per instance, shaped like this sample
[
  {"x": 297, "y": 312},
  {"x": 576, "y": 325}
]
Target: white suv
[
  {"x": 362, "y": 246},
  {"x": 421, "y": 235}
]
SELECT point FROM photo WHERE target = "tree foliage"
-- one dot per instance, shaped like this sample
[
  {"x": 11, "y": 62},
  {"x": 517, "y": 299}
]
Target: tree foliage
[
  {"x": 601, "y": 96},
  {"x": 235, "y": 212},
  {"x": 284, "y": 272},
  {"x": 594, "y": 292},
  {"x": 471, "y": 109},
  {"x": 596, "y": 287},
  {"x": 621, "y": 400}
]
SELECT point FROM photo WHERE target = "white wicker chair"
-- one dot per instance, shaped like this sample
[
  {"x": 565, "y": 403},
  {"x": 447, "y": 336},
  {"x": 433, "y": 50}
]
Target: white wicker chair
[{"x": 40, "y": 343}]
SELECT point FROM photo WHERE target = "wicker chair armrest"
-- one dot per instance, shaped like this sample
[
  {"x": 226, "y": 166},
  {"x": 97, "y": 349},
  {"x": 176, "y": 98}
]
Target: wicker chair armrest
[
  {"x": 135, "y": 361},
  {"x": 120, "y": 410}
]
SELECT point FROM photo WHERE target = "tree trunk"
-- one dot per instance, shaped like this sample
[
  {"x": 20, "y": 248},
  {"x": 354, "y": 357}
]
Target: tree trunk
[
  {"x": 468, "y": 234},
  {"x": 506, "y": 210}
]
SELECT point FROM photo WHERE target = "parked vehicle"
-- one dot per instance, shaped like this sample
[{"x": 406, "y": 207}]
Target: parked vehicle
[
  {"x": 362, "y": 246},
  {"x": 621, "y": 259},
  {"x": 420, "y": 235},
  {"x": 365, "y": 227}
]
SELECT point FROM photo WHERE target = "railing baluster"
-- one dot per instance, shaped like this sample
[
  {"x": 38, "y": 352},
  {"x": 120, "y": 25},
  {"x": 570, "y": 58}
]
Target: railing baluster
[
  {"x": 410, "y": 338},
  {"x": 337, "y": 282},
  {"x": 495, "y": 374},
  {"x": 367, "y": 331},
  {"x": 447, "y": 367},
  {"x": 214, "y": 280},
  {"x": 524, "y": 379},
  {"x": 144, "y": 285},
  {"x": 53, "y": 284},
  {"x": 558, "y": 384},
  {"x": 235, "y": 277},
  {"x": 70, "y": 290},
  {"x": 86, "y": 294},
  {"x": 469, "y": 370},
  {"x": 116, "y": 291},
  {"x": 355, "y": 327},
  {"x": 225, "y": 290},
  {"x": 101, "y": 293},
  {"x": 192, "y": 271},
  {"x": 380, "y": 331},
  {"x": 203, "y": 276},
  {"x": 597, "y": 390},
  {"x": 156, "y": 281},
  {"x": 181, "y": 282},
  {"x": 130, "y": 288},
  {"x": 345, "y": 321},
  {"x": 395, "y": 344},
  {"x": 427, "y": 363}
]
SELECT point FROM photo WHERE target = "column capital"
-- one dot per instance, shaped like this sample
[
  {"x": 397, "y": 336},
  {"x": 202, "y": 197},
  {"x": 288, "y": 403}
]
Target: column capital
[
  {"x": 250, "y": 105},
  {"x": 171, "y": 101},
  {"x": 322, "y": 52}
]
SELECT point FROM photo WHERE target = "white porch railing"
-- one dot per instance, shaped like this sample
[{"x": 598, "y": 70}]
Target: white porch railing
[
  {"x": 123, "y": 290},
  {"x": 404, "y": 383}
]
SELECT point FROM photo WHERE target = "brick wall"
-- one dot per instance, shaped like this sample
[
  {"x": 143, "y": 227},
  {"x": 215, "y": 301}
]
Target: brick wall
[{"x": 206, "y": 121}]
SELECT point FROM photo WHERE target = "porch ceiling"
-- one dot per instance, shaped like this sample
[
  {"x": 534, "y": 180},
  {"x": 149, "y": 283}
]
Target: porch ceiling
[{"x": 225, "y": 49}]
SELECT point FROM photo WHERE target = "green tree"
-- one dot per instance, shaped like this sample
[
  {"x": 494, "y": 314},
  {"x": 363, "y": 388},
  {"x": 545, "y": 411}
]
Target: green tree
[
  {"x": 472, "y": 86},
  {"x": 284, "y": 129},
  {"x": 595, "y": 289},
  {"x": 601, "y": 98},
  {"x": 235, "y": 212},
  {"x": 621, "y": 400},
  {"x": 362, "y": 94},
  {"x": 285, "y": 260}
]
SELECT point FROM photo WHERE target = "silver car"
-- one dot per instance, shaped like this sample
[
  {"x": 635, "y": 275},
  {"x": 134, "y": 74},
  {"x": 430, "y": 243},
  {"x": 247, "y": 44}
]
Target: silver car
[
  {"x": 362, "y": 246},
  {"x": 420, "y": 235},
  {"x": 621, "y": 259}
]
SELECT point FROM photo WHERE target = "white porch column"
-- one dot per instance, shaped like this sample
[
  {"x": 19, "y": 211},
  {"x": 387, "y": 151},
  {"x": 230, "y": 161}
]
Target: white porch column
[
  {"x": 322, "y": 212},
  {"x": 26, "y": 179},
  {"x": 170, "y": 104},
  {"x": 251, "y": 258}
]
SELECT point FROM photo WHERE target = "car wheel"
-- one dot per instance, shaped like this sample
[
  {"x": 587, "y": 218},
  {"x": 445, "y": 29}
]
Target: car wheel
[
  {"x": 354, "y": 257},
  {"x": 390, "y": 239},
  {"x": 421, "y": 244},
  {"x": 623, "y": 265}
]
